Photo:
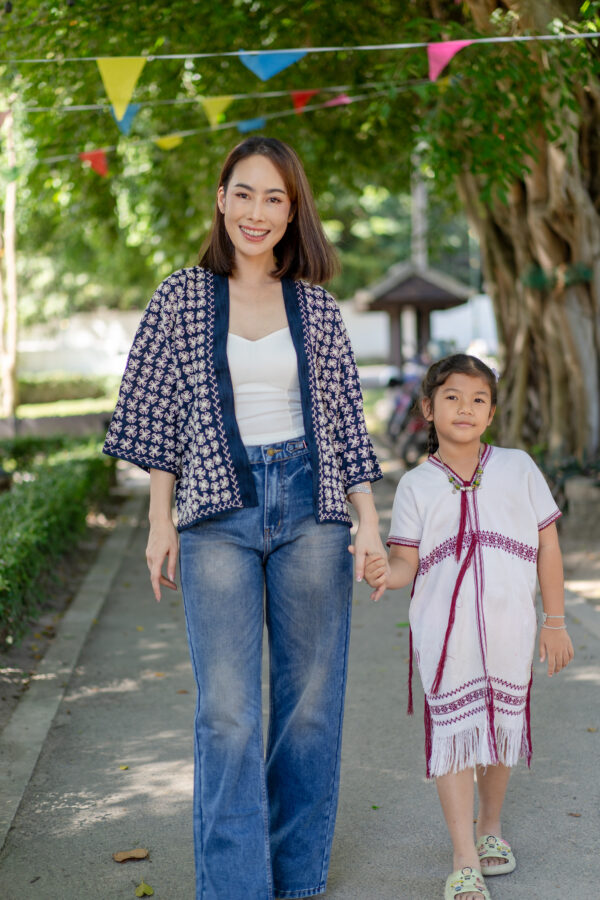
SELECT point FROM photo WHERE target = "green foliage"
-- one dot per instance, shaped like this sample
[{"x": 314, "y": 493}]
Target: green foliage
[
  {"x": 41, "y": 516},
  {"x": 84, "y": 239}
]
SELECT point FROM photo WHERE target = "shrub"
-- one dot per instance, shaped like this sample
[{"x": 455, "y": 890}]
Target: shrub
[
  {"x": 53, "y": 387},
  {"x": 39, "y": 519}
]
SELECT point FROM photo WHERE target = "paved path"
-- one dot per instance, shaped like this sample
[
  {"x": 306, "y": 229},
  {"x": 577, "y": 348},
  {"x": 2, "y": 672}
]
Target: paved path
[{"x": 129, "y": 702}]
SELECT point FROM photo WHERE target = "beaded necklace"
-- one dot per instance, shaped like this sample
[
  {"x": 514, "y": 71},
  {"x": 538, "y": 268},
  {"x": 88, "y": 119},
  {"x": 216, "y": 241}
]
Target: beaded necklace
[
  {"x": 456, "y": 485},
  {"x": 463, "y": 489}
]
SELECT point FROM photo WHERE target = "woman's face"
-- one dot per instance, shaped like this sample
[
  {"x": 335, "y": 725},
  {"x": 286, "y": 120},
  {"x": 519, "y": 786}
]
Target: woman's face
[{"x": 256, "y": 207}]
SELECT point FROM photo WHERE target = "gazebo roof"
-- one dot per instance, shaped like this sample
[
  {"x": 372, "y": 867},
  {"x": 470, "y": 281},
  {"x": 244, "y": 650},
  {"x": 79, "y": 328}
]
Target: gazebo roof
[{"x": 407, "y": 284}]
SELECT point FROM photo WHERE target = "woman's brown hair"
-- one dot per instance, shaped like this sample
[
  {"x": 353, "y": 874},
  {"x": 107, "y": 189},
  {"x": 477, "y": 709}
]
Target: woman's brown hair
[
  {"x": 457, "y": 364},
  {"x": 304, "y": 251}
]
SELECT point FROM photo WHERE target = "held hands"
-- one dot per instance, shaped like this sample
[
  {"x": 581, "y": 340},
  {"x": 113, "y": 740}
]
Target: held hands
[
  {"x": 366, "y": 549},
  {"x": 557, "y": 646},
  {"x": 377, "y": 575},
  {"x": 163, "y": 543}
]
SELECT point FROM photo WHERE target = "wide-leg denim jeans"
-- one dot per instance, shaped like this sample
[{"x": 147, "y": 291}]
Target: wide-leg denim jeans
[{"x": 263, "y": 821}]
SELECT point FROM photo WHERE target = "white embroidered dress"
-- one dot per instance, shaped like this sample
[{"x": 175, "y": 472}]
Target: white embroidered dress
[{"x": 479, "y": 712}]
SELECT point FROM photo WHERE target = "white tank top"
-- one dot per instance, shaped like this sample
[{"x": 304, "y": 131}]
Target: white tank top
[{"x": 266, "y": 389}]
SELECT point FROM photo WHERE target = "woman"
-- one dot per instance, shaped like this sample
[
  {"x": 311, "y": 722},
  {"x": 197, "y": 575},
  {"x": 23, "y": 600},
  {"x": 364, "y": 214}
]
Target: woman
[{"x": 242, "y": 392}]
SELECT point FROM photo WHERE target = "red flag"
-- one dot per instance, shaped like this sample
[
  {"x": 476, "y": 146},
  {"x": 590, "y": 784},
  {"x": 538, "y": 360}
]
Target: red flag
[
  {"x": 301, "y": 98},
  {"x": 440, "y": 54},
  {"x": 97, "y": 160}
]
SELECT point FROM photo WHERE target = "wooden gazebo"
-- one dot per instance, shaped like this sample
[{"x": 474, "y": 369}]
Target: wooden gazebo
[{"x": 409, "y": 286}]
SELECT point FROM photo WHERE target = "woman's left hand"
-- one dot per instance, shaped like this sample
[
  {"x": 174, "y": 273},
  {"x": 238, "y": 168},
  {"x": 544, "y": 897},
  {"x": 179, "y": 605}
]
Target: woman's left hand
[{"x": 367, "y": 542}]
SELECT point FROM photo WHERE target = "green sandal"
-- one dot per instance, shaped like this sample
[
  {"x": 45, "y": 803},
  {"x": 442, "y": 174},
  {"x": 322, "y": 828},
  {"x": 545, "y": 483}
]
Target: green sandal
[
  {"x": 491, "y": 847},
  {"x": 465, "y": 881}
]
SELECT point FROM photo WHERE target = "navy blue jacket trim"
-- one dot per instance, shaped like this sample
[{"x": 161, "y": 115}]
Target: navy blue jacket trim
[
  {"x": 225, "y": 388},
  {"x": 292, "y": 308}
]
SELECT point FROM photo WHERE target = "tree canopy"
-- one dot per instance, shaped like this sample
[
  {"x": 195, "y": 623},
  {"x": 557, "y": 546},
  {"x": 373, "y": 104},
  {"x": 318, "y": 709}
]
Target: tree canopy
[{"x": 480, "y": 130}]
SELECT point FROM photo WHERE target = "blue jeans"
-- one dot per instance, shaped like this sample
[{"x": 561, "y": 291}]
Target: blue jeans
[{"x": 263, "y": 822}]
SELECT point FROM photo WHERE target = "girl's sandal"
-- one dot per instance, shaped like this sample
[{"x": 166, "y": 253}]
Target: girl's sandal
[
  {"x": 465, "y": 881},
  {"x": 491, "y": 847}
]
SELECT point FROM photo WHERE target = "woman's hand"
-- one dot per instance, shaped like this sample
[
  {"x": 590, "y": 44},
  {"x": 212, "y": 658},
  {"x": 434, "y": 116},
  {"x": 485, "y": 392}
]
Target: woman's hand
[
  {"x": 556, "y": 645},
  {"x": 163, "y": 542}
]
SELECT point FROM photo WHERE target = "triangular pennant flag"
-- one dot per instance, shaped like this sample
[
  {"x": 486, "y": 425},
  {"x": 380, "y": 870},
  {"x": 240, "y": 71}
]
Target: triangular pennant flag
[
  {"x": 251, "y": 125},
  {"x": 3, "y": 116},
  {"x": 214, "y": 107},
  {"x": 119, "y": 75},
  {"x": 301, "y": 98},
  {"x": 265, "y": 65},
  {"x": 97, "y": 160},
  {"x": 124, "y": 124},
  {"x": 340, "y": 100},
  {"x": 168, "y": 141},
  {"x": 440, "y": 54}
]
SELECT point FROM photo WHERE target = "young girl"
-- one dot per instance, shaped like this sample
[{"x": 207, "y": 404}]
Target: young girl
[{"x": 468, "y": 526}]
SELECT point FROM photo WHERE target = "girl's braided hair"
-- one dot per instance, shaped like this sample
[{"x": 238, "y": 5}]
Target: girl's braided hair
[{"x": 459, "y": 364}]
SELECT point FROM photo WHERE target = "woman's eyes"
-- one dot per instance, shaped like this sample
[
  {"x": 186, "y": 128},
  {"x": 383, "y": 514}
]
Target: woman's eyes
[{"x": 243, "y": 196}]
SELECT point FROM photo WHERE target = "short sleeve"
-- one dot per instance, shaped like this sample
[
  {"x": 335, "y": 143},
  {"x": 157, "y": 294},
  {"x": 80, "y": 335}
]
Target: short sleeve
[
  {"x": 406, "y": 526},
  {"x": 543, "y": 503}
]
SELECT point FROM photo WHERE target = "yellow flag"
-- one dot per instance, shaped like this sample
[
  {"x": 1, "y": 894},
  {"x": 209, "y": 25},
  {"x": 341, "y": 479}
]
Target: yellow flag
[
  {"x": 119, "y": 75},
  {"x": 169, "y": 141},
  {"x": 214, "y": 107}
]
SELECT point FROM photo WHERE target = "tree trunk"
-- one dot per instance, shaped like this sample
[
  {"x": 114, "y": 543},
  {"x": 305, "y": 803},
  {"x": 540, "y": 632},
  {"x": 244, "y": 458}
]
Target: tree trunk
[
  {"x": 541, "y": 261},
  {"x": 8, "y": 295}
]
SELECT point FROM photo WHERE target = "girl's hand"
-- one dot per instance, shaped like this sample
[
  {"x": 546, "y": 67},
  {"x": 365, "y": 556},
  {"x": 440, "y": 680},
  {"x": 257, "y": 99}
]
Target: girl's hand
[
  {"x": 377, "y": 573},
  {"x": 163, "y": 542},
  {"x": 367, "y": 542},
  {"x": 557, "y": 646}
]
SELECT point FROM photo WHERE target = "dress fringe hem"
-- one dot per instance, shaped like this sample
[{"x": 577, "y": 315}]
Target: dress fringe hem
[{"x": 471, "y": 748}]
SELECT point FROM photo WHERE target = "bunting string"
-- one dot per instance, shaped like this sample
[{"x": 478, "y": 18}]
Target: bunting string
[
  {"x": 256, "y": 95},
  {"x": 407, "y": 45},
  {"x": 219, "y": 127}
]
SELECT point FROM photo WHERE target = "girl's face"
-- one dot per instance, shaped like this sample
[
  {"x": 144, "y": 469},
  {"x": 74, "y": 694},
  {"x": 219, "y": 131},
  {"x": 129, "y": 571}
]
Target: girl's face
[
  {"x": 256, "y": 206},
  {"x": 461, "y": 408}
]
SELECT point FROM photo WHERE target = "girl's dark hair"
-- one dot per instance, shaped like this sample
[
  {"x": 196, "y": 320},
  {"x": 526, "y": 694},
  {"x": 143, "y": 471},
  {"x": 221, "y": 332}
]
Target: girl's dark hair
[
  {"x": 457, "y": 364},
  {"x": 304, "y": 251}
]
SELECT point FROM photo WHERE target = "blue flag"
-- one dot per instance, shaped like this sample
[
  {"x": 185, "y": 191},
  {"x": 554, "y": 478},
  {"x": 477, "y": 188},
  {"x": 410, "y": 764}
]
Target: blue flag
[
  {"x": 265, "y": 65},
  {"x": 126, "y": 122},
  {"x": 251, "y": 125}
]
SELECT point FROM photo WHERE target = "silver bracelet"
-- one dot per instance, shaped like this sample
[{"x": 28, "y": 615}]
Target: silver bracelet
[
  {"x": 359, "y": 489},
  {"x": 555, "y": 627},
  {"x": 548, "y": 616}
]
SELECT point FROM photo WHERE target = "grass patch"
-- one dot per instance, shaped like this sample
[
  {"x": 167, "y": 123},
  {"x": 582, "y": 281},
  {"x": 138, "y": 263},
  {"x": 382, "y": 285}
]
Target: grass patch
[{"x": 67, "y": 407}]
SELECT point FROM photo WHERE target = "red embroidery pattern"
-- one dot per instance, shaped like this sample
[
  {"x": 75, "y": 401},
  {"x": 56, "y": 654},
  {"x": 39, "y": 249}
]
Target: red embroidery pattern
[
  {"x": 549, "y": 520},
  {"x": 484, "y": 538}
]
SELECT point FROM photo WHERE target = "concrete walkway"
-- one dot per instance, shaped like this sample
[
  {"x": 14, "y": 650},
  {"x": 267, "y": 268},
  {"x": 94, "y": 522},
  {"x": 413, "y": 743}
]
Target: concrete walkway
[{"x": 98, "y": 758}]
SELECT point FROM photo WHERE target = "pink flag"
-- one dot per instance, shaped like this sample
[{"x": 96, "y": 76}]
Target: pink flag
[
  {"x": 441, "y": 53},
  {"x": 301, "y": 98},
  {"x": 340, "y": 100},
  {"x": 97, "y": 160}
]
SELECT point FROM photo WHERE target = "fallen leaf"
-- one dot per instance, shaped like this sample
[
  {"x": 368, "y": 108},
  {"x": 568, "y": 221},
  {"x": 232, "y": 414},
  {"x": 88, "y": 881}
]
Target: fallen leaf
[
  {"x": 592, "y": 730},
  {"x": 140, "y": 627},
  {"x": 143, "y": 889},
  {"x": 123, "y": 768},
  {"x": 124, "y": 855},
  {"x": 159, "y": 674},
  {"x": 575, "y": 815},
  {"x": 402, "y": 624},
  {"x": 375, "y": 807},
  {"x": 183, "y": 692}
]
